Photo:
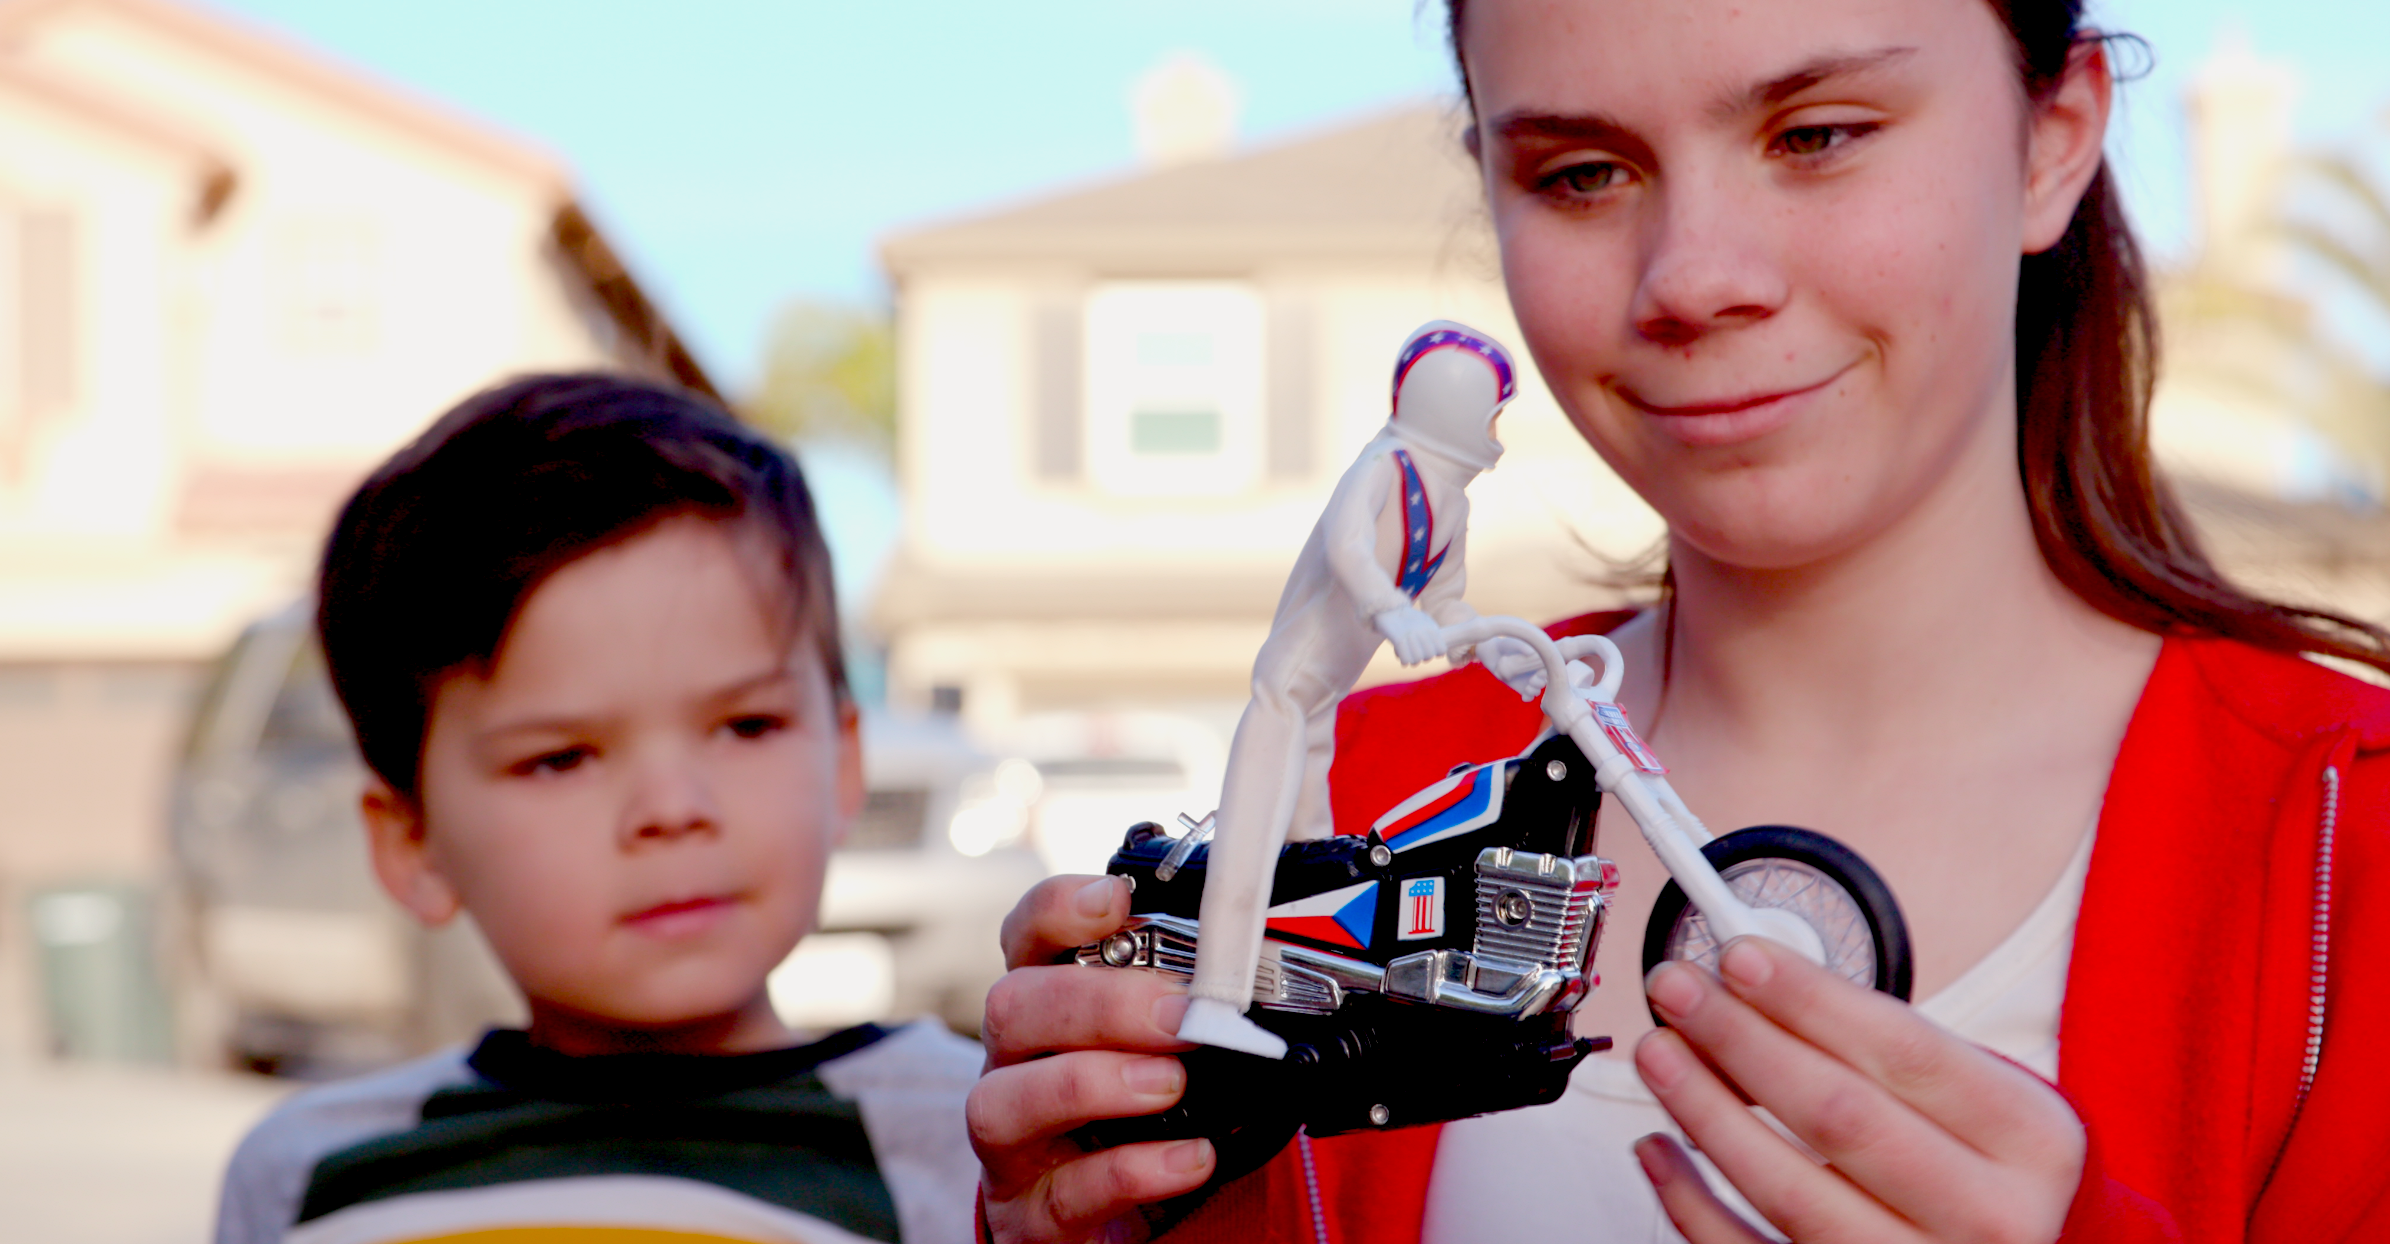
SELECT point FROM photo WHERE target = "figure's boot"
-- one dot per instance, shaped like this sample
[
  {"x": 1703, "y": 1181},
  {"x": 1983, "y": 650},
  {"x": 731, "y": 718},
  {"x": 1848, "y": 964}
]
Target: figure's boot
[{"x": 1210, "y": 1021}]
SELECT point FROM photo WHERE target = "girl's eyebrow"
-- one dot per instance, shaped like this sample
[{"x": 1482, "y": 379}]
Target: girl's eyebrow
[
  {"x": 1596, "y": 129},
  {"x": 1817, "y": 72},
  {"x": 1587, "y": 129}
]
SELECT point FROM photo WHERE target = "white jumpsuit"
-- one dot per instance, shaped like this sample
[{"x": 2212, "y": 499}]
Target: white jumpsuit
[{"x": 1393, "y": 537}]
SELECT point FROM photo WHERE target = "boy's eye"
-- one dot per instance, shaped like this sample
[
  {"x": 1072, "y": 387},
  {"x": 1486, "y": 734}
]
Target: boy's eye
[
  {"x": 756, "y": 725},
  {"x": 562, "y": 760}
]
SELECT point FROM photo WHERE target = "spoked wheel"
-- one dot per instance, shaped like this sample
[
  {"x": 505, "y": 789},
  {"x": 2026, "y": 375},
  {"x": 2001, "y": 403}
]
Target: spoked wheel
[{"x": 1810, "y": 875}]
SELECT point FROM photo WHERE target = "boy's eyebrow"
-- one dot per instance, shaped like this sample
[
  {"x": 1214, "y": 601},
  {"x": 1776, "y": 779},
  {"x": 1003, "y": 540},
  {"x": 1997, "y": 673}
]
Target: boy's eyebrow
[
  {"x": 568, "y": 724},
  {"x": 1601, "y": 130},
  {"x": 754, "y": 682}
]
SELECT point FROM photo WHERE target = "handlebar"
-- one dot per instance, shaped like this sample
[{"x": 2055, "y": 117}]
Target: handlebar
[
  {"x": 1556, "y": 654},
  {"x": 1674, "y": 833}
]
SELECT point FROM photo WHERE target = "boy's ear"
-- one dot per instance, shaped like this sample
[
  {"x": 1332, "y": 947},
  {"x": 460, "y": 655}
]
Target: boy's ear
[
  {"x": 402, "y": 860},
  {"x": 851, "y": 789}
]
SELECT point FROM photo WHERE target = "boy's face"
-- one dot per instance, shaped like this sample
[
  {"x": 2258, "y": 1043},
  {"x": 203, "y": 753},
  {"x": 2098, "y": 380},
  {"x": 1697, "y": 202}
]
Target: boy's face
[{"x": 638, "y": 800}]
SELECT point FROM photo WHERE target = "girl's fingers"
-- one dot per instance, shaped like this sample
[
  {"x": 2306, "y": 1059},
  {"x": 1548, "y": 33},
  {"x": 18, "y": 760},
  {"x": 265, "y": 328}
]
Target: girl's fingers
[
  {"x": 1808, "y": 1202},
  {"x": 1997, "y": 1108},
  {"x": 1697, "y": 1212},
  {"x": 1061, "y": 914},
  {"x": 1013, "y": 1109},
  {"x": 1078, "y": 1198},
  {"x": 1035, "y": 1011},
  {"x": 1899, "y": 1156}
]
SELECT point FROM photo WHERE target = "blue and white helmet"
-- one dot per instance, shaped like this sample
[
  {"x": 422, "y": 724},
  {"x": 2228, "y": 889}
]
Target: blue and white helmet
[{"x": 1449, "y": 382}]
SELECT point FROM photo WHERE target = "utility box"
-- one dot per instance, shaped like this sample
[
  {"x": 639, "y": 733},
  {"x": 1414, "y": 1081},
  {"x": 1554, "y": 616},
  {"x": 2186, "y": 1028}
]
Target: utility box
[{"x": 101, "y": 987}]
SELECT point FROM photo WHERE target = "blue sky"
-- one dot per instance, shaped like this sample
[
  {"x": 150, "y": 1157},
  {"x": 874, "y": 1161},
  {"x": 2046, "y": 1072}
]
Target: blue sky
[{"x": 747, "y": 152}]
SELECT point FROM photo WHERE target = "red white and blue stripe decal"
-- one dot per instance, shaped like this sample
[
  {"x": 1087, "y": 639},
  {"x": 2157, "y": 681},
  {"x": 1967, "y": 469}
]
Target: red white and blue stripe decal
[
  {"x": 1464, "y": 801},
  {"x": 1447, "y": 339},
  {"x": 1338, "y": 917},
  {"x": 1418, "y": 530}
]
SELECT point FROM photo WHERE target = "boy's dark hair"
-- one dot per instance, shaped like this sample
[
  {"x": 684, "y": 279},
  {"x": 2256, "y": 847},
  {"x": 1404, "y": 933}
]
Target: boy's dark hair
[{"x": 435, "y": 554}]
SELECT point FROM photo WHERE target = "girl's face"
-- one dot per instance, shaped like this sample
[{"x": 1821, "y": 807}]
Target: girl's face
[{"x": 1765, "y": 251}]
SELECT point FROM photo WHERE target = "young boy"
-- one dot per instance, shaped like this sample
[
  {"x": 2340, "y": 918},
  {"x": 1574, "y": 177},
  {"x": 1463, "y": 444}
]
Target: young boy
[{"x": 585, "y": 631}]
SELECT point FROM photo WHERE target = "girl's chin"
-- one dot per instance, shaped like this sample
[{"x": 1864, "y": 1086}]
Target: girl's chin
[{"x": 1772, "y": 542}]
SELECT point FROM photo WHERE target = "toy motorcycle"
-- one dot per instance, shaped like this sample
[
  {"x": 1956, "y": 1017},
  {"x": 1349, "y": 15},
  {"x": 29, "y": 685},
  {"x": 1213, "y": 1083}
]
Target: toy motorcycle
[{"x": 1427, "y": 970}]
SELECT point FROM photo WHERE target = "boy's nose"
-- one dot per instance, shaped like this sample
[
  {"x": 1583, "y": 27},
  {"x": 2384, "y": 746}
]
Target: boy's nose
[{"x": 668, "y": 800}]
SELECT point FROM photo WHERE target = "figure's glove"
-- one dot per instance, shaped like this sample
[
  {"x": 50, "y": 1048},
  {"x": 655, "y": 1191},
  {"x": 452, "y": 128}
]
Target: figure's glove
[
  {"x": 1515, "y": 662},
  {"x": 1415, "y": 636}
]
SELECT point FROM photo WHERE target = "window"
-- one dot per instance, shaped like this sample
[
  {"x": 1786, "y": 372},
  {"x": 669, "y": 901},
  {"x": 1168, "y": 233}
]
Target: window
[
  {"x": 37, "y": 318},
  {"x": 329, "y": 273},
  {"x": 1174, "y": 388}
]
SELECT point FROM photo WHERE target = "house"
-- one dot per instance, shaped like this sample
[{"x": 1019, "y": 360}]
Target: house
[
  {"x": 1122, "y": 407},
  {"x": 233, "y": 275}
]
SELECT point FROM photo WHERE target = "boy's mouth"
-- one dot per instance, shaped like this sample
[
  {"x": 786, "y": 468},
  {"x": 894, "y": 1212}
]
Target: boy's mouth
[{"x": 682, "y": 917}]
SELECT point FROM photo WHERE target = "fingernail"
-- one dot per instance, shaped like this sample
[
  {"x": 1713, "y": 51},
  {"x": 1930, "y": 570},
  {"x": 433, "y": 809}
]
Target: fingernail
[
  {"x": 1674, "y": 988},
  {"x": 1662, "y": 1062},
  {"x": 1654, "y": 1158},
  {"x": 1094, "y": 900},
  {"x": 1154, "y": 1077},
  {"x": 1187, "y": 1156},
  {"x": 1745, "y": 964},
  {"x": 1169, "y": 1011}
]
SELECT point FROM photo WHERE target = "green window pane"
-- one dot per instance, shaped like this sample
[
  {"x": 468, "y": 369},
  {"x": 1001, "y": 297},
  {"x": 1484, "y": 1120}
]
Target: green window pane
[{"x": 1174, "y": 432}]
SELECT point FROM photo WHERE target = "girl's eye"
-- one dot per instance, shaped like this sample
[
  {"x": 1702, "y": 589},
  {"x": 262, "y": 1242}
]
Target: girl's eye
[
  {"x": 1816, "y": 140},
  {"x": 1584, "y": 180},
  {"x": 756, "y": 725}
]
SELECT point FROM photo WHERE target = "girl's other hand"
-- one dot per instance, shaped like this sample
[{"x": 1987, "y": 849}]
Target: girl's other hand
[
  {"x": 1924, "y": 1136},
  {"x": 1068, "y": 1045}
]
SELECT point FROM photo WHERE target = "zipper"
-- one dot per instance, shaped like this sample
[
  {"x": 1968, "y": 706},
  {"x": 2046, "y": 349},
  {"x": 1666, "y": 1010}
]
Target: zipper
[
  {"x": 1319, "y": 1211},
  {"x": 2319, "y": 963}
]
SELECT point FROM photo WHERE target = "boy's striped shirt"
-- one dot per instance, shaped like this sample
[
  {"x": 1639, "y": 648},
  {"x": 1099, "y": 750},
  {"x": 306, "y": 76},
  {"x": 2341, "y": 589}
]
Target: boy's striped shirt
[{"x": 857, "y": 1137}]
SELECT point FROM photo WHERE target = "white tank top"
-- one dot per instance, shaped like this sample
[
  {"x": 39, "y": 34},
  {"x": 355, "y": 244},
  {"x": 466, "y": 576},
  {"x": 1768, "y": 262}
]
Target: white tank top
[{"x": 1567, "y": 1171}]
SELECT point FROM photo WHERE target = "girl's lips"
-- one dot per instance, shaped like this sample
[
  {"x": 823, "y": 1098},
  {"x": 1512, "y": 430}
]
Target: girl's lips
[
  {"x": 682, "y": 917},
  {"x": 1707, "y": 424}
]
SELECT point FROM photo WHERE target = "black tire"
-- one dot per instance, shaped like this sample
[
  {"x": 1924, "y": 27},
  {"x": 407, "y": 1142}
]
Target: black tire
[{"x": 1886, "y": 966}]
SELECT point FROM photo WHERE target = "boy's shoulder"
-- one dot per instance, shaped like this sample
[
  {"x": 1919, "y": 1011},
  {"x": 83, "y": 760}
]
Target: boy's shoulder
[
  {"x": 858, "y": 1136},
  {"x": 910, "y": 1087},
  {"x": 268, "y": 1173}
]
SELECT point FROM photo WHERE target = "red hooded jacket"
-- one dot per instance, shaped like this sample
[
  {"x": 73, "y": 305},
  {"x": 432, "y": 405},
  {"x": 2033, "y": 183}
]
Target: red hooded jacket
[{"x": 2228, "y": 974}]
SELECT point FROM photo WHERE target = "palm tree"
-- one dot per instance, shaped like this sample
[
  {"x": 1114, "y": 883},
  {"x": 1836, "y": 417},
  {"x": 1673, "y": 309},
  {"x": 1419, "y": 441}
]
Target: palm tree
[{"x": 829, "y": 373}]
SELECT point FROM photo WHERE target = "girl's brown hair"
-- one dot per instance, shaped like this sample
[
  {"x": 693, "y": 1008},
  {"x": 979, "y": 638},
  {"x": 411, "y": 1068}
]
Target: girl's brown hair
[{"x": 2087, "y": 351}]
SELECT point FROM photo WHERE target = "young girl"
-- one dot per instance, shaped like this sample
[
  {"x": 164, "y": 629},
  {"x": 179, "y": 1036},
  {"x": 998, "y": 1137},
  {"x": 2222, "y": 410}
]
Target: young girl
[{"x": 1842, "y": 288}]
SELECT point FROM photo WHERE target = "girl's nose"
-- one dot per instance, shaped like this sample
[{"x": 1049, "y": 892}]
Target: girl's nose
[{"x": 1708, "y": 265}]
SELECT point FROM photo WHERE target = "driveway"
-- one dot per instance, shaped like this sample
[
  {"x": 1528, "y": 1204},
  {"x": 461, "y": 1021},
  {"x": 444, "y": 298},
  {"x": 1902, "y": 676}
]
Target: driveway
[{"x": 97, "y": 1155}]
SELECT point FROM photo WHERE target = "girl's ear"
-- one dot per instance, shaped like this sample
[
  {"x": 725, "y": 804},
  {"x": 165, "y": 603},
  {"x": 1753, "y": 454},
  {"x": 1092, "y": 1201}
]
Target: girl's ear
[
  {"x": 2065, "y": 144},
  {"x": 394, "y": 837}
]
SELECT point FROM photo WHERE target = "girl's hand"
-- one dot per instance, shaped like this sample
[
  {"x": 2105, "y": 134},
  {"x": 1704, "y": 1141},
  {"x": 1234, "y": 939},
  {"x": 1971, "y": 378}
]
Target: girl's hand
[
  {"x": 1925, "y": 1136},
  {"x": 1068, "y": 1045}
]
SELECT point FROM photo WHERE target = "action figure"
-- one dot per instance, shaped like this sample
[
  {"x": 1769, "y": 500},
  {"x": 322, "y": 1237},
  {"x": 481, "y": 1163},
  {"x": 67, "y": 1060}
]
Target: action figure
[{"x": 1384, "y": 562}]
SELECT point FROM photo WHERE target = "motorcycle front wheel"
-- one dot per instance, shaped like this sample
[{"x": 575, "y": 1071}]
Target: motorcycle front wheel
[{"x": 1810, "y": 875}]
